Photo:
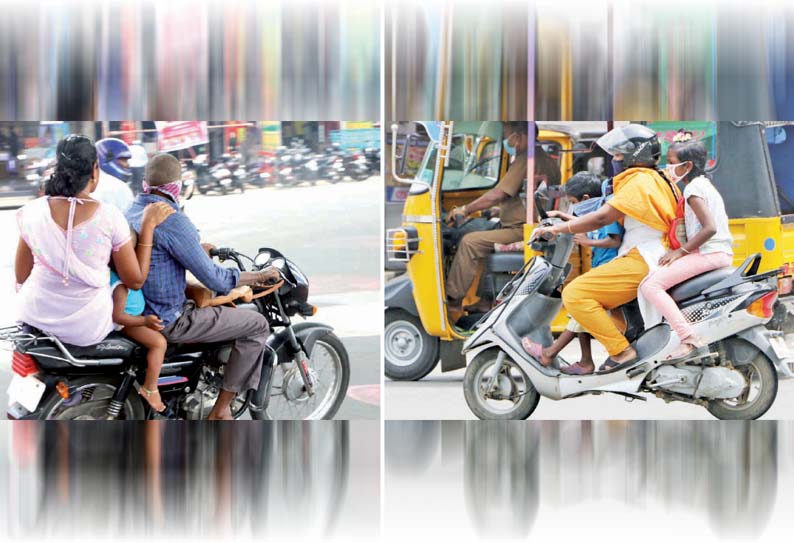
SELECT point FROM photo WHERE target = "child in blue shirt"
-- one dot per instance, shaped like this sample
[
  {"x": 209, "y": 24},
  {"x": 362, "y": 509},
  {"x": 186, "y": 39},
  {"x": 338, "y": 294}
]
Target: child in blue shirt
[
  {"x": 128, "y": 316},
  {"x": 584, "y": 192}
]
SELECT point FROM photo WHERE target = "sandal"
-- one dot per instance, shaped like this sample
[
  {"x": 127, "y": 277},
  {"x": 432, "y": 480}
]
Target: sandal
[
  {"x": 577, "y": 369},
  {"x": 611, "y": 365},
  {"x": 682, "y": 353},
  {"x": 533, "y": 349},
  {"x": 146, "y": 393}
]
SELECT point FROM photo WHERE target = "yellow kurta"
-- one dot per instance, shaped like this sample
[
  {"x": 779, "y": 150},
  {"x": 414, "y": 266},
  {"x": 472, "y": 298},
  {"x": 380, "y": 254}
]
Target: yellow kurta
[{"x": 645, "y": 196}]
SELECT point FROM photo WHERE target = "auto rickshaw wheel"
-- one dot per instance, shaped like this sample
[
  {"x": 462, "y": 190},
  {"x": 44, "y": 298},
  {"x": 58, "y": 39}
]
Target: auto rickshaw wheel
[{"x": 409, "y": 352}]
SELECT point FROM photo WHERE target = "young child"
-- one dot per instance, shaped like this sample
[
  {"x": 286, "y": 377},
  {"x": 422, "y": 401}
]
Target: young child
[
  {"x": 709, "y": 242},
  {"x": 604, "y": 243},
  {"x": 128, "y": 316}
]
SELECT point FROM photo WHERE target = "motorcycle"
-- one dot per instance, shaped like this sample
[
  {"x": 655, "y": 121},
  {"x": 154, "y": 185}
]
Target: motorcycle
[
  {"x": 372, "y": 157},
  {"x": 735, "y": 377},
  {"x": 355, "y": 166},
  {"x": 305, "y": 373}
]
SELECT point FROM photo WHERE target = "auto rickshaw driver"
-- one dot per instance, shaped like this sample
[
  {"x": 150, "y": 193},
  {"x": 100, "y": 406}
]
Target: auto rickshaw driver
[{"x": 475, "y": 246}]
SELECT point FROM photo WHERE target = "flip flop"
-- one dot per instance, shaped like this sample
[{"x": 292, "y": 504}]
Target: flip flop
[
  {"x": 577, "y": 370},
  {"x": 611, "y": 365},
  {"x": 532, "y": 348}
]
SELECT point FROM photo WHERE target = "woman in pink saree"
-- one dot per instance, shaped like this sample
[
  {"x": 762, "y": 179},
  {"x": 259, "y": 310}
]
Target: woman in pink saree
[{"x": 67, "y": 241}]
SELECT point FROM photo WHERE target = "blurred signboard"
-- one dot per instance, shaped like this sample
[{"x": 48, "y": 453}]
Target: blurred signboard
[{"x": 176, "y": 135}]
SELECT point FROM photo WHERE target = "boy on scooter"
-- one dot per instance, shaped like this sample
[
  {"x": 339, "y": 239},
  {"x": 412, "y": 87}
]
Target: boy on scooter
[{"x": 584, "y": 193}]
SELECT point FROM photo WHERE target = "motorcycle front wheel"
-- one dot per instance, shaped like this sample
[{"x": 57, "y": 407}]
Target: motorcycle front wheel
[
  {"x": 89, "y": 398},
  {"x": 510, "y": 397},
  {"x": 329, "y": 366}
]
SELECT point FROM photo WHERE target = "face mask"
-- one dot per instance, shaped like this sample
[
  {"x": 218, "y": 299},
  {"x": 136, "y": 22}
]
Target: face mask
[
  {"x": 173, "y": 189},
  {"x": 617, "y": 167},
  {"x": 586, "y": 206},
  {"x": 509, "y": 148},
  {"x": 669, "y": 170}
]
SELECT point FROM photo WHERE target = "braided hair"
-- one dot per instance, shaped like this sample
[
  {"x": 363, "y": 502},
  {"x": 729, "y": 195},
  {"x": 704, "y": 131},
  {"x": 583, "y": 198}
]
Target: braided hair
[{"x": 75, "y": 160}]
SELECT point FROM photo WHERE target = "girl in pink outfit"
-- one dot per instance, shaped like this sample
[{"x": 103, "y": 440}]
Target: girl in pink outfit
[
  {"x": 66, "y": 242},
  {"x": 709, "y": 241}
]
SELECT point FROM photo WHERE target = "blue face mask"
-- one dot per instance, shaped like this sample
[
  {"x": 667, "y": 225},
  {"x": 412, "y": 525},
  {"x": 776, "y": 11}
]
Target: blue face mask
[
  {"x": 617, "y": 166},
  {"x": 586, "y": 206},
  {"x": 509, "y": 148}
]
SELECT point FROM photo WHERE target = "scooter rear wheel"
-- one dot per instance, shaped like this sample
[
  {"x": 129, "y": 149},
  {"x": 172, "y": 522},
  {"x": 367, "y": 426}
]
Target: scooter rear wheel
[
  {"x": 762, "y": 380},
  {"x": 513, "y": 397}
]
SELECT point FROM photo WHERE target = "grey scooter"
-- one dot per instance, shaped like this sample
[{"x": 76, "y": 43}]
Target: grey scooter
[{"x": 736, "y": 378}]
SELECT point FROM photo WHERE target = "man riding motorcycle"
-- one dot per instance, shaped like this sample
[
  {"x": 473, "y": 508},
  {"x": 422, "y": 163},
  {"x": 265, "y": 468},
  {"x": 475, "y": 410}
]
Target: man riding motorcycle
[
  {"x": 113, "y": 156},
  {"x": 645, "y": 203}
]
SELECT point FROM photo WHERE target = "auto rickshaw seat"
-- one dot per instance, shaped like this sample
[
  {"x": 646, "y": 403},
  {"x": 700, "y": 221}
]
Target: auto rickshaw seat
[
  {"x": 694, "y": 287},
  {"x": 504, "y": 262}
]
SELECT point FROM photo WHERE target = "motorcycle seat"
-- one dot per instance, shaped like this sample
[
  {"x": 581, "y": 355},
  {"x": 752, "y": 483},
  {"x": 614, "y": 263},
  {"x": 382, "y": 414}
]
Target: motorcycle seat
[
  {"x": 694, "y": 287},
  {"x": 504, "y": 262},
  {"x": 114, "y": 345}
]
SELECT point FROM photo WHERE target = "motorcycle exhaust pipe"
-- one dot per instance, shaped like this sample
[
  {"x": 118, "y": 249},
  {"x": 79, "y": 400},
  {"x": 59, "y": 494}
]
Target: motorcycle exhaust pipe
[{"x": 260, "y": 398}]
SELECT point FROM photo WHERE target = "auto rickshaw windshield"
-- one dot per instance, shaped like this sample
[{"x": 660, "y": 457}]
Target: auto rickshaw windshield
[{"x": 474, "y": 157}]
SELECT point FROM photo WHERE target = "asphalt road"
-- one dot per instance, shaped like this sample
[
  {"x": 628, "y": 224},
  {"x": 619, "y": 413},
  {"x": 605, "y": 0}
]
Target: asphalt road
[
  {"x": 440, "y": 396},
  {"x": 332, "y": 232}
]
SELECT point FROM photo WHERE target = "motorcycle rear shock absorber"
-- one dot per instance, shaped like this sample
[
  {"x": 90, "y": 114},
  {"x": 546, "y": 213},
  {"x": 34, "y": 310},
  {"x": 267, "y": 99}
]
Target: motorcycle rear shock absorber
[{"x": 120, "y": 395}]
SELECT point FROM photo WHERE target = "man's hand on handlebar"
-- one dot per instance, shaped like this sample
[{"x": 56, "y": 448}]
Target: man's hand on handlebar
[
  {"x": 456, "y": 216},
  {"x": 209, "y": 249},
  {"x": 262, "y": 278}
]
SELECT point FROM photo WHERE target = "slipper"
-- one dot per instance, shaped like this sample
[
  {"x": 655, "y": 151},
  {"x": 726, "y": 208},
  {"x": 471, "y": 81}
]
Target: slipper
[
  {"x": 611, "y": 365},
  {"x": 532, "y": 348},
  {"x": 576, "y": 370}
]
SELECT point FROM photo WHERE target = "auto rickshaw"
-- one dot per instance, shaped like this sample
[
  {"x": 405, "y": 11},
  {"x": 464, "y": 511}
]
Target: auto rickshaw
[{"x": 418, "y": 331}]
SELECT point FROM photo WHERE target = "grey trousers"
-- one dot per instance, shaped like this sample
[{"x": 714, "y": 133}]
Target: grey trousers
[{"x": 248, "y": 330}]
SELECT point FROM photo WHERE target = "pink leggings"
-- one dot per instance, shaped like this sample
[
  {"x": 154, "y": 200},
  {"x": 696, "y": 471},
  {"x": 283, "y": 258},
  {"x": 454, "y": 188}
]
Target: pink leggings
[{"x": 655, "y": 286}]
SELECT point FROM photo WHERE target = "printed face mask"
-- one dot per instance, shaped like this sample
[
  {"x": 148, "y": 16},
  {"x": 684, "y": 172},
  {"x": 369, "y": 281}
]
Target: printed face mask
[
  {"x": 669, "y": 170},
  {"x": 173, "y": 189}
]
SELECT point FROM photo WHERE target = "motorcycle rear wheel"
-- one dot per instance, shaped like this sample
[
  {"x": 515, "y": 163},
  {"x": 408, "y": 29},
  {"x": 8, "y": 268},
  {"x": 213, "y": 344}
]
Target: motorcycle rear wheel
[{"x": 56, "y": 407}]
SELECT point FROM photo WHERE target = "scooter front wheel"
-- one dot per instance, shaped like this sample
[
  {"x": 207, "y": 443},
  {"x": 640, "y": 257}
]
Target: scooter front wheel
[{"x": 504, "y": 395}]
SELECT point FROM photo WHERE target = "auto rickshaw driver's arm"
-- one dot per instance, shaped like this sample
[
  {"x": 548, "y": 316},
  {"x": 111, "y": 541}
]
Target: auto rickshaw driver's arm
[
  {"x": 23, "y": 264},
  {"x": 492, "y": 198}
]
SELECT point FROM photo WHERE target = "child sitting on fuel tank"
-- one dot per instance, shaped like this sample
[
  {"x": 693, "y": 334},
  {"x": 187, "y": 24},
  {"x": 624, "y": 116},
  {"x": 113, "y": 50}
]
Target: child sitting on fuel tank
[{"x": 584, "y": 192}]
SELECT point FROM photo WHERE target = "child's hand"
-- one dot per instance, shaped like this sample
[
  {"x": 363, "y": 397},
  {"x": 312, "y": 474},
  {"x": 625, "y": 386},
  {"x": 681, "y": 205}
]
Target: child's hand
[
  {"x": 671, "y": 256},
  {"x": 581, "y": 239},
  {"x": 156, "y": 213},
  {"x": 153, "y": 322}
]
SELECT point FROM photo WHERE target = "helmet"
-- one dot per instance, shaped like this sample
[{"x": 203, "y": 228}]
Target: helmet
[
  {"x": 109, "y": 150},
  {"x": 638, "y": 144}
]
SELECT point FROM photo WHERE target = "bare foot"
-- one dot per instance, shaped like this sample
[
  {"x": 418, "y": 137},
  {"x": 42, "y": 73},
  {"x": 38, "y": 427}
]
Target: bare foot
[
  {"x": 225, "y": 415},
  {"x": 536, "y": 351},
  {"x": 153, "y": 398}
]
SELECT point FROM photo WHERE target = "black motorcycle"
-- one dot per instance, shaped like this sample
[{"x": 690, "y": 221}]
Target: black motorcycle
[
  {"x": 305, "y": 373},
  {"x": 372, "y": 157}
]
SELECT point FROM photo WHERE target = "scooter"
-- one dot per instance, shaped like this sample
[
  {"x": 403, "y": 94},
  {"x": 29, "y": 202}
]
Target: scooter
[{"x": 735, "y": 377}]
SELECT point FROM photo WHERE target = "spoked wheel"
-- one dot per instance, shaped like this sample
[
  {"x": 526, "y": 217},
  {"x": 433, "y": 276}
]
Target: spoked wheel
[
  {"x": 504, "y": 395},
  {"x": 757, "y": 397},
  {"x": 89, "y": 399},
  {"x": 329, "y": 368}
]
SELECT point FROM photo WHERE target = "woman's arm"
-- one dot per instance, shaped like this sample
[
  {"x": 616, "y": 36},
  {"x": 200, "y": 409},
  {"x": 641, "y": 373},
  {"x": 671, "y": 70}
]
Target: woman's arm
[
  {"x": 698, "y": 206},
  {"x": 23, "y": 264},
  {"x": 590, "y": 222},
  {"x": 132, "y": 266}
]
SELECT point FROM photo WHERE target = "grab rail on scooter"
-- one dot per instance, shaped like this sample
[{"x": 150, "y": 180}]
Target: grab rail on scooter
[{"x": 746, "y": 272}]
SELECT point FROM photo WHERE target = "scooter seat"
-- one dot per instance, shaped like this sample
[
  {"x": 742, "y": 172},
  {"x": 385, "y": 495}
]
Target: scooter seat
[
  {"x": 505, "y": 262},
  {"x": 695, "y": 286}
]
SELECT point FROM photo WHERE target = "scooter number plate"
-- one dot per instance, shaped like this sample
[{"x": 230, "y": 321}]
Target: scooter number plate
[
  {"x": 780, "y": 347},
  {"x": 27, "y": 391}
]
